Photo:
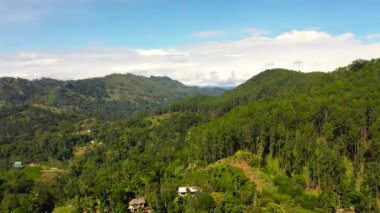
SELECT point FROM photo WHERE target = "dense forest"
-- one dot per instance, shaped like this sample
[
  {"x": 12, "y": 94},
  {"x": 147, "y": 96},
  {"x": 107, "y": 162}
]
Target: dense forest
[
  {"x": 112, "y": 97},
  {"x": 284, "y": 141}
]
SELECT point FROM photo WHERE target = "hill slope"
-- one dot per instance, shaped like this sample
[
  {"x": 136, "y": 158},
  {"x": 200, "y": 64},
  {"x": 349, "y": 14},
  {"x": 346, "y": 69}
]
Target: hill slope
[
  {"x": 113, "y": 96},
  {"x": 324, "y": 127},
  {"x": 282, "y": 142},
  {"x": 269, "y": 85}
]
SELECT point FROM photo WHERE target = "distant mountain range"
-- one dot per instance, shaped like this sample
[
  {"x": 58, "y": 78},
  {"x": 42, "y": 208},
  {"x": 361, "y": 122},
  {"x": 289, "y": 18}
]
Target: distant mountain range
[{"x": 111, "y": 97}]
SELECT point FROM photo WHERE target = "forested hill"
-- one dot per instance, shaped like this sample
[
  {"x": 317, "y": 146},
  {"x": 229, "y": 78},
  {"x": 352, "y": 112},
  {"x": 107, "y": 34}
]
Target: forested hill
[
  {"x": 283, "y": 84},
  {"x": 322, "y": 127},
  {"x": 113, "y": 96},
  {"x": 284, "y": 141}
]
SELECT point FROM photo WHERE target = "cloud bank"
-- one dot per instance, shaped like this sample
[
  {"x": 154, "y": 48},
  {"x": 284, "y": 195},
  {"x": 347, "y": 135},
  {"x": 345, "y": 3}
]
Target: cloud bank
[{"x": 218, "y": 63}]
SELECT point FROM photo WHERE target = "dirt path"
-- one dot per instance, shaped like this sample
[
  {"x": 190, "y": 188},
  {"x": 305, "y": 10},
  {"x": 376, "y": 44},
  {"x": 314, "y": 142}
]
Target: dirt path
[
  {"x": 251, "y": 173},
  {"x": 254, "y": 175}
]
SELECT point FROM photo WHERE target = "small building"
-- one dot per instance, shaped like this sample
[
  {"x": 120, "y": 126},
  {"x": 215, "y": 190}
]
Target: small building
[
  {"x": 185, "y": 190},
  {"x": 18, "y": 165},
  {"x": 139, "y": 205},
  {"x": 182, "y": 191},
  {"x": 193, "y": 190}
]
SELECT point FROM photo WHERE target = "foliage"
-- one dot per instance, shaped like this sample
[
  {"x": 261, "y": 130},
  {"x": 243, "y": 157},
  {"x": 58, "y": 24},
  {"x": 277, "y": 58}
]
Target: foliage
[
  {"x": 316, "y": 136},
  {"x": 112, "y": 97}
]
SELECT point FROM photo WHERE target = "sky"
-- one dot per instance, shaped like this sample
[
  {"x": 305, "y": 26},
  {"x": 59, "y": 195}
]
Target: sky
[{"x": 198, "y": 42}]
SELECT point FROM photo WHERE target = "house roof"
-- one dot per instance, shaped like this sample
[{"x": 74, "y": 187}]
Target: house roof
[
  {"x": 18, "y": 164},
  {"x": 193, "y": 189},
  {"x": 137, "y": 201},
  {"x": 182, "y": 189}
]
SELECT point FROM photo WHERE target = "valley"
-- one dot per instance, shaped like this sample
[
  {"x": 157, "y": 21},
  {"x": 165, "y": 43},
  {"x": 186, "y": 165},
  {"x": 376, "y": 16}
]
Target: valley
[{"x": 283, "y": 141}]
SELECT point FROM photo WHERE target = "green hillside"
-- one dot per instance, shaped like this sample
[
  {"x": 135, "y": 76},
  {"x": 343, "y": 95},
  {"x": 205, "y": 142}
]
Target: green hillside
[
  {"x": 323, "y": 126},
  {"x": 284, "y": 141},
  {"x": 112, "y": 97}
]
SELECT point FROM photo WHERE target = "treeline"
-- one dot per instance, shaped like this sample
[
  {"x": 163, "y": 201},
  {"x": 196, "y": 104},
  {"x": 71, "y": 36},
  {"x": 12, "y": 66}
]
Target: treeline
[
  {"x": 266, "y": 86},
  {"x": 329, "y": 133},
  {"x": 33, "y": 134},
  {"x": 113, "y": 97}
]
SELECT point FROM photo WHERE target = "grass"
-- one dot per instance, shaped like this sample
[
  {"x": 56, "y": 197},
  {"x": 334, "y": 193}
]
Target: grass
[
  {"x": 32, "y": 173},
  {"x": 156, "y": 120},
  {"x": 63, "y": 210},
  {"x": 272, "y": 200},
  {"x": 81, "y": 150},
  {"x": 51, "y": 174},
  {"x": 48, "y": 108},
  {"x": 241, "y": 161}
]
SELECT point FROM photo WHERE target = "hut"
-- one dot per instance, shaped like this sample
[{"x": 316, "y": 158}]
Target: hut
[
  {"x": 18, "y": 165},
  {"x": 139, "y": 205}
]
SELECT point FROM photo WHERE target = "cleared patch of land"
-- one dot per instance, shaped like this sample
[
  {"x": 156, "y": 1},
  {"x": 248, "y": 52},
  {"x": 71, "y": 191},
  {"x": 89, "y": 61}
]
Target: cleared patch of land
[{"x": 255, "y": 175}]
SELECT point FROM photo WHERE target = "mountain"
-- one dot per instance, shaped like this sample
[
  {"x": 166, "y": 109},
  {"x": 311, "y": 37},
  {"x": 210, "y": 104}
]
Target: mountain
[
  {"x": 111, "y": 97},
  {"x": 321, "y": 129},
  {"x": 276, "y": 84},
  {"x": 284, "y": 141},
  {"x": 266, "y": 86}
]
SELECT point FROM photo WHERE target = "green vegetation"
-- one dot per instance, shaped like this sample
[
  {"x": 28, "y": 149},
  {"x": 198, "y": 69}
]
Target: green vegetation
[
  {"x": 282, "y": 142},
  {"x": 112, "y": 97},
  {"x": 32, "y": 173}
]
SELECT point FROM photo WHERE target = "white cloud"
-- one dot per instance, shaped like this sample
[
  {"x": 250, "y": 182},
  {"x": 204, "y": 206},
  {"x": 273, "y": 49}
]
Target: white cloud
[
  {"x": 160, "y": 52},
  {"x": 315, "y": 37},
  {"x": 234, "y": 55},
  {"x": 222, "y": 63},
  {"x": 256, "y": 32},
  {"x": 208, "y": 34},
  {"x": 373, "y": 36}
]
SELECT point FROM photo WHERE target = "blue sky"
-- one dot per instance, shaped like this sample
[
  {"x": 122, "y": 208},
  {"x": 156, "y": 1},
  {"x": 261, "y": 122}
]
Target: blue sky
[
  {"x": 165, "y": 23},
  {"x": 57, "y": 29}
]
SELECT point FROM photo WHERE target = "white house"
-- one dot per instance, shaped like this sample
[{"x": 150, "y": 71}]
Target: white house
[
  {"x": 182, "y": 191},
  {"x": 185, "y": 190},
  {"x": 193, "y": 190}
]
